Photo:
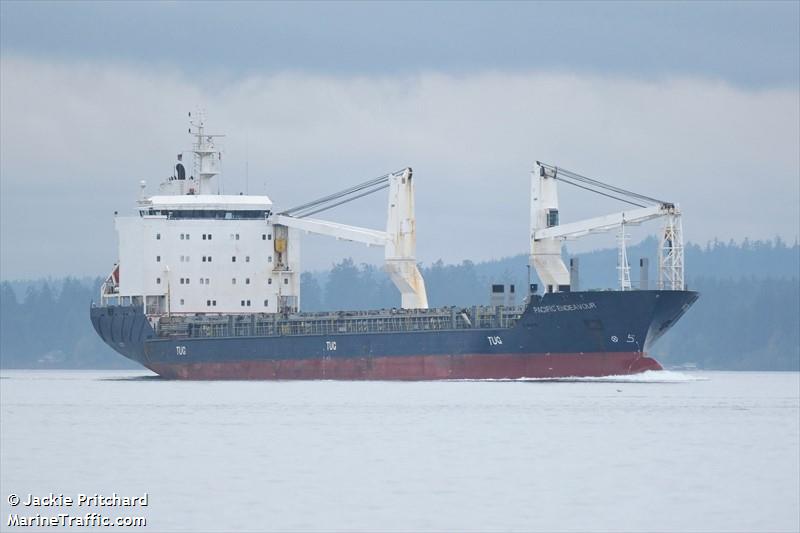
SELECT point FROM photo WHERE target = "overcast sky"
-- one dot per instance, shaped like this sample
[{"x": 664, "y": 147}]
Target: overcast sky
[{"x": 697, "y": 103}]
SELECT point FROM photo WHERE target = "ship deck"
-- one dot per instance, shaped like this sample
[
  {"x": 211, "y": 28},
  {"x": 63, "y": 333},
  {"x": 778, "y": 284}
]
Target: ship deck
[{"x": 341, "y": 322}]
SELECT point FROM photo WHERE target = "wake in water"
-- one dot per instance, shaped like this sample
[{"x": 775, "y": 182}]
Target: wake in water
[
  {"x": 147, "y": 377},
  {"x": 649, "y": 376}
]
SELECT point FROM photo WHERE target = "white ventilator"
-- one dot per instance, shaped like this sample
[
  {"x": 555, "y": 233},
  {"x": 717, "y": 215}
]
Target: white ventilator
[{"x": 547, "y": 234}]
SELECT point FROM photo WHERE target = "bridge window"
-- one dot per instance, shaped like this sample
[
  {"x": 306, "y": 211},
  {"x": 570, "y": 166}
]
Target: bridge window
[
  {"x": 263, "y": 236},
  {"x": 242, "y": 304},
  {"x": 269, "y": 281},
  {"x": 247, "y": 259},
  {"x": 213, "y": 302},
  {"x": 247, "y": 281},
  {"x": 158, "y": 281},
  {"x": 233, "y": 281},
  {"x": 158, "y": 236},
  {"x": 182, "y": 236},
  {"x": 158, "y": 259},
  {"x": 181, "y": 301},
  {"x": 285, "y": 281},
  {"x": 266, "y": 303},
  {"x": 237, "y": 236},
  {"x": 204, "y": 236},
  {"x": 269, "y": 259},
  {"x": 249, "y": 214},
  {"x": 248, "y": 303}
]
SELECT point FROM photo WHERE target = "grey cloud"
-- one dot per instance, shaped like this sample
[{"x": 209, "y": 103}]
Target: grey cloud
[
  {"x": 749, "y": 43},
  {"x": 77, "y": 138}
]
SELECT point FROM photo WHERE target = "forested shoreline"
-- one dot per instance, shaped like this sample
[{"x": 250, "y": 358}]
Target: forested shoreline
[{"x": 747, "y": 318}]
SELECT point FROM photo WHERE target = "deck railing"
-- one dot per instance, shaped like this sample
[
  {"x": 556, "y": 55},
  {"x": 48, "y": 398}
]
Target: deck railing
[{"x": 389, "y": 321}]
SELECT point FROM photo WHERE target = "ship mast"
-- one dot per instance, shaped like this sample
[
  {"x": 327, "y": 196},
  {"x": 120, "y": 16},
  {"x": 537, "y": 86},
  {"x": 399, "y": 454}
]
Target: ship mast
[{"x": 206, "y": 155}]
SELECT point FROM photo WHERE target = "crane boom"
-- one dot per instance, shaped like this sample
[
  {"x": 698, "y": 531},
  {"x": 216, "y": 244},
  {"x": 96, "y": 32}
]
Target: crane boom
[
  {"x": 399, "y": 240},
  {"x": 370, "y": 237},
  {"x": 547, "y": 234},
  {"x": 604, "y": 223}
]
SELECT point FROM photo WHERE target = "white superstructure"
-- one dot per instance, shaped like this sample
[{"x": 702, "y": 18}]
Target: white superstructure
[{"x": 191, "y": 251}]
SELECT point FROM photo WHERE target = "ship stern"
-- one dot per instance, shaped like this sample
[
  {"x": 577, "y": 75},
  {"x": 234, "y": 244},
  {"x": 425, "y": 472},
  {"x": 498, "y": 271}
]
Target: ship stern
[{"x": 124, "y": 328}]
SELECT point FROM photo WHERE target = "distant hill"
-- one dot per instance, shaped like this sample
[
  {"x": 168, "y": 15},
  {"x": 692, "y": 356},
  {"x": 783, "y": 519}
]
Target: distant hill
[{"x": 748, "y": 315}]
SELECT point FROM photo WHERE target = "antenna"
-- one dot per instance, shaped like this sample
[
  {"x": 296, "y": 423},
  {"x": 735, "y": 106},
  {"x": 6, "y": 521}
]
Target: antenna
[{"x": 207, "y": 158}]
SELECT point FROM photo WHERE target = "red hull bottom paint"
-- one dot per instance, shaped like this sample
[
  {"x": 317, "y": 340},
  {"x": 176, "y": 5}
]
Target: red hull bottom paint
[{"x": 429, "y": 367}]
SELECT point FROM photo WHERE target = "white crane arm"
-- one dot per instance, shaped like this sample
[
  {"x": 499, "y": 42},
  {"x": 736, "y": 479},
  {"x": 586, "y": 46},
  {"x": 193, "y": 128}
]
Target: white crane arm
[
  {"x": 370, "y": 237},
  {"x": 399, "y": 240},
  {"x": 601, "y": 224},
  {"x": 547, "y": 234}
]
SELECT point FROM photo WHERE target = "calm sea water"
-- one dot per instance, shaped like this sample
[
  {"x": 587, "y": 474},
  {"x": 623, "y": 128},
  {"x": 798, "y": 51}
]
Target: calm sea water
[{"x": 660, "y": 452}]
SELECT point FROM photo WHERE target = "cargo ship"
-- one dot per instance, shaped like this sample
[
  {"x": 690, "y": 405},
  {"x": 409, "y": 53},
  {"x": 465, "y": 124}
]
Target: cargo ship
[{"x": 207, "y": 287}]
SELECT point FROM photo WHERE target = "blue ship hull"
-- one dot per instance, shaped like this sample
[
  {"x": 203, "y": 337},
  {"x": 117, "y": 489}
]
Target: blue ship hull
[{"x": 558, "y": 335}]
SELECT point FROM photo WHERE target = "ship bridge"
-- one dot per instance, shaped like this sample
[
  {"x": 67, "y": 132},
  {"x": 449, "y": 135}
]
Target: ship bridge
[{"x": 228, "y": 207}]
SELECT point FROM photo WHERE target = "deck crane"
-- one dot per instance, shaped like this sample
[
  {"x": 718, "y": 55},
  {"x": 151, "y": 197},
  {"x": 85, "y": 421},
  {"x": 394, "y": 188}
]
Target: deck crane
[
  {"x": 399, "y": 239},
  {"x": 547, "y": 234}
]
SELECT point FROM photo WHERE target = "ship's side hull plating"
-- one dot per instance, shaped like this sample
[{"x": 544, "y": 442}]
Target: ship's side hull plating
[
  {"x": 418, "y": 367},
  {"x": 559, "y": 335}
]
